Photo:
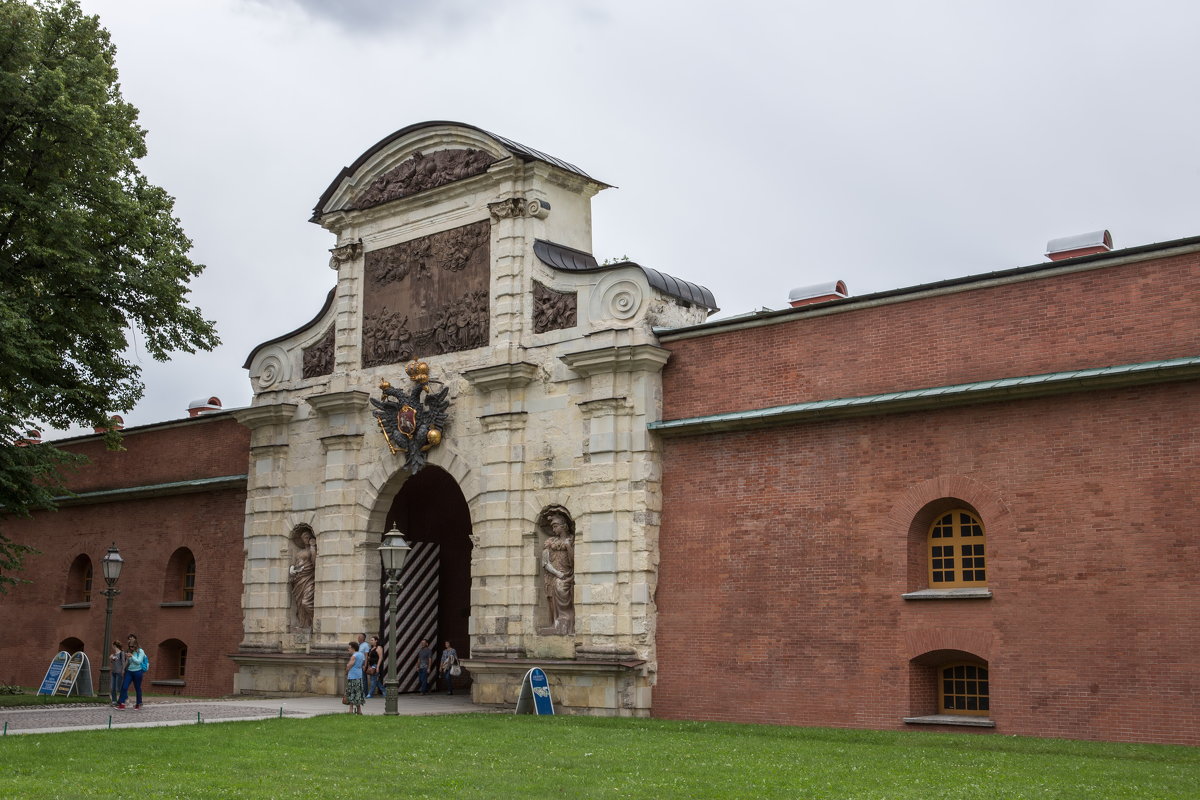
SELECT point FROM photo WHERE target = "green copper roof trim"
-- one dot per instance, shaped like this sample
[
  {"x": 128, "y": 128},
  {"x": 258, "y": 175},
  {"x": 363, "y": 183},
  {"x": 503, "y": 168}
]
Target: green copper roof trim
[
  {"x": 1175, "y": 369},
  {"x": 154, "y": 490}
]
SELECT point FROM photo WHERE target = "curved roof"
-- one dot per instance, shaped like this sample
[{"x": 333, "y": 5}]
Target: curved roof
[
  {"x": 568, "y": 259},
  {"x": 516, "y": 148}
]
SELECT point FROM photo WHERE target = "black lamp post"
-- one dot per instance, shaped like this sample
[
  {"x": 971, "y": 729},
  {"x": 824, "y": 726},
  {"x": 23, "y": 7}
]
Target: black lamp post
[
  {"x": 393, "y": 551},
  {"x": 110, "y": 566}
]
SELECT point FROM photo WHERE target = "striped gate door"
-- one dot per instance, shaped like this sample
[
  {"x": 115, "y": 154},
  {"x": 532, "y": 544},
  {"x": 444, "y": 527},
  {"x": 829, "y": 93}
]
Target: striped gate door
[{"x": 417, "y": 612}]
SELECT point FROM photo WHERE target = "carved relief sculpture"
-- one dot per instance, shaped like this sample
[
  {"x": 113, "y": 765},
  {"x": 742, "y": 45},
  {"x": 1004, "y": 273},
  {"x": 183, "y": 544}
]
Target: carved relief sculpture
[
  {"x": 553, "y": 310},
  {"x": 427, "y": 295},
  {"x": 302, "y": 575},
  {"x": 558, "y": 568},
  {"x": 318, "y": 359},
  {"x": 421, "y": 172},
  {"x": 410, "y": 422}
]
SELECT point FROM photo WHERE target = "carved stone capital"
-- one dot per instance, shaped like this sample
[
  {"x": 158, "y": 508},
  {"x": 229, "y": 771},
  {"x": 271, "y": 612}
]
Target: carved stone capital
[
  {"x": 256, "y": 417},
  {"x": 339, "y": 402},
  {"x": 508, "y": 208},
  {"x": 502, "y": 376},
  {"x": 508, "y": 421},
  {"x": 604, "y": 407},
  {"x": 625, "y": 358},
  {"x": 344, "y": 253}
]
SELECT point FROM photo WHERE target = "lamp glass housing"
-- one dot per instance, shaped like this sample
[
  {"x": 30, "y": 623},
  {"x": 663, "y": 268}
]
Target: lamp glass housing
[
  {"x": 394, "y": 550},
  {"x": 111, "y": 564}
]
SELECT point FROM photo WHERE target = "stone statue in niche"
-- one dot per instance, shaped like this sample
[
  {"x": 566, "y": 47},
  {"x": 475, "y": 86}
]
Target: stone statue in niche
[
  {"x": 553, "y": 310},
  {"x": 558, "y": 568},
  {"x": 302, "y": 584},
  {"x": 318, "y": 359},
  {"x": 421, "y": 172}
]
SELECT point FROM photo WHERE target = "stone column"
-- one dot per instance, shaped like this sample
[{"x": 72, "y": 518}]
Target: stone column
[
  {"x": 264, "y": 580},
  {"x": 347, "y": 594}
]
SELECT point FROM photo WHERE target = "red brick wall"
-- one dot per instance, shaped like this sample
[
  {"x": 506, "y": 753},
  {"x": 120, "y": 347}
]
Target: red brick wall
[
  {"x": 147, "y": 531},
  {"x": 784, "y": 552},
  {"x": 1118, "y": 315}
]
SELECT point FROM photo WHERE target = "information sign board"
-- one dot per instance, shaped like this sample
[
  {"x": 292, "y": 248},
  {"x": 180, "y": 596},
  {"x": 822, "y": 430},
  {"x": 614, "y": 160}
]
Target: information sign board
[
  {"x": 76, "y": 677},
  {"x": 535, "y": 694},
  {"x": 50, "y": 682}
]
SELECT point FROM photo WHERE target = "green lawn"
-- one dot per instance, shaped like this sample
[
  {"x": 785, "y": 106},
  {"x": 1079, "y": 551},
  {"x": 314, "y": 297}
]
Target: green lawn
[{"x": 501, "y": 756}]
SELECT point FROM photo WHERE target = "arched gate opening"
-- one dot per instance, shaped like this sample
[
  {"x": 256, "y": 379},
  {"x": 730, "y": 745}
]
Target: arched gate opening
[{"x": 435, "y": 601}]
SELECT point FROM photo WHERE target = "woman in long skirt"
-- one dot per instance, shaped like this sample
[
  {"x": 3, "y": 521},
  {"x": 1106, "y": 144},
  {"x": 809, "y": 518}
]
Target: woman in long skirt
[{"x": 354, "y": 680}]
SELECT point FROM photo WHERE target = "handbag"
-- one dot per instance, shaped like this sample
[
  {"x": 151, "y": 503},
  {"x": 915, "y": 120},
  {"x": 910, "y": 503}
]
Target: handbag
[
  {"x": 345, "y": 700},
  {"x": 455, "y": 671}
]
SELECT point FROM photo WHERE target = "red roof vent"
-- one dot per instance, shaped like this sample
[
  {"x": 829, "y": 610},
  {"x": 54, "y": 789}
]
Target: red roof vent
[
  {"x": 32, "y": 436},
  {"x": 1083, "y": 244},
  {"x": 198, "y": 407},
  {"x": 806, "y": 295},
  {"x": 115, "y": 423}
]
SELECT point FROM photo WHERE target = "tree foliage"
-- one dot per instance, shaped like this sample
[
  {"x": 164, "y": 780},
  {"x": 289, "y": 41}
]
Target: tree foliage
[{"x": 90, "y": 251}]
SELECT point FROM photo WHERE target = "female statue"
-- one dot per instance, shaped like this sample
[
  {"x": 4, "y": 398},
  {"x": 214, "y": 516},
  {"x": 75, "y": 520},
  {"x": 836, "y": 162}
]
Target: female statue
[
  {"x": 302, "y": 575},
  {"x": 558, "y": 567}
]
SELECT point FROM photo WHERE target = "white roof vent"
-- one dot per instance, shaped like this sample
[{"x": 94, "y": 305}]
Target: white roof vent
[
  {"x": 818, "y": 293},
  {"x": 1082, "y": 244},
  {"x": 202, "y": 406}
]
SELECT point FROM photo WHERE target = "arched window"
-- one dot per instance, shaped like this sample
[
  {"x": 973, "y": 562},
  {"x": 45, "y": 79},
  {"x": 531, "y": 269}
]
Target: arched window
[
  {"x": 179, "y": 583},
  {"x": 79, "y": 581},
  {"x": 71, "y": 645},
  {"x": 189, "y": 579},
  {"x": 956, "y": 551},
  {"x": 171, "y": 667},
  {"x": 963, "y": 689}
]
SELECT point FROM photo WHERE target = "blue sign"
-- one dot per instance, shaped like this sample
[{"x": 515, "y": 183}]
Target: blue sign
[
  {"x": 535, "y": 694},
  {"x": 50, "y": 682},
  {"x": 541, "y": 692}
]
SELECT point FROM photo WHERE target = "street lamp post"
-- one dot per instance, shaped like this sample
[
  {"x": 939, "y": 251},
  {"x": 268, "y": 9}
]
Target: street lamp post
[
  {"x": 393, "y": 551},
  {"x": 110, "y": 566}
]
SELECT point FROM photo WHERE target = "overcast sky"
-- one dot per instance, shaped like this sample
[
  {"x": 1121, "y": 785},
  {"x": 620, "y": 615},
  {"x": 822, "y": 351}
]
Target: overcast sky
[{"x": 757, "y": 146}]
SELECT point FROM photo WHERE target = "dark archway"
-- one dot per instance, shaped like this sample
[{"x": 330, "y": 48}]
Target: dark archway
[{"x": 430, "y": 508}]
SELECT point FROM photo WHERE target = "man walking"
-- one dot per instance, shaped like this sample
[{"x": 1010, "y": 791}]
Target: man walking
[{"x": 424, "y": 662}]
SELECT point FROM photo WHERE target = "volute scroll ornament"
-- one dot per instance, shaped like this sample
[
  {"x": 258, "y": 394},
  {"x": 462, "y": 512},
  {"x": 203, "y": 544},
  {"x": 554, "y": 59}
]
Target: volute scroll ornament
[
  {"x": 345, "y": 253},
  {"x": 413, "y": 420}
]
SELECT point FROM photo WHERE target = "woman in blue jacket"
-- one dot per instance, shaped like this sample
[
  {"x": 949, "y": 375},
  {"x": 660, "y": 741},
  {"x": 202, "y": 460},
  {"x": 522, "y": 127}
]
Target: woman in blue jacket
[{"x": 135, "y": 670}]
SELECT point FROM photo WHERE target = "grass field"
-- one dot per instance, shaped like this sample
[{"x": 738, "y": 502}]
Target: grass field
[{"x": 500, "y": 756}]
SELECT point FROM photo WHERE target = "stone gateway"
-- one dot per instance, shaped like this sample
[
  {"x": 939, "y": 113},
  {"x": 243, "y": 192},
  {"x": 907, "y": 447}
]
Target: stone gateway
[{"x": 467, "y": 256}]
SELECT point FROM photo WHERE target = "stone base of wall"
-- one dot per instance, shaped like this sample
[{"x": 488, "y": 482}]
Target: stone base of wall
[
  {"x": 290, "y": 673},
  {"x": 598, "y": 688}
]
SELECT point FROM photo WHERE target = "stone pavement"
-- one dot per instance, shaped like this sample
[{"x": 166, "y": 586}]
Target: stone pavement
[{"x": 165, "y": 711}]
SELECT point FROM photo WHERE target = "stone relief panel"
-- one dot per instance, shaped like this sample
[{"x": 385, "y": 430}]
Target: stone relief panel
[
  {"x": 318, "y": 358},
  {"x": 421, "y": 172},
  {"x": 427, "y": 296},
  {"x": 553, "y": 310}
]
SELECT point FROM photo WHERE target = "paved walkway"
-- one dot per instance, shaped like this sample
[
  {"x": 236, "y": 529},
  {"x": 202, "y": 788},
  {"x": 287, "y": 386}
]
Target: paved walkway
[{"x": 161, "y": 711}]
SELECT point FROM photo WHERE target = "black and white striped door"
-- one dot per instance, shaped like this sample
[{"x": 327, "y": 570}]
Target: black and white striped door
[{"x": 417, "y": 611}]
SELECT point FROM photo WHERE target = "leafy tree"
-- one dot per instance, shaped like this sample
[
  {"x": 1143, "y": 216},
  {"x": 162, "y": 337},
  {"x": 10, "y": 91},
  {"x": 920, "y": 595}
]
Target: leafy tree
[{"x": 89, "y": 250}]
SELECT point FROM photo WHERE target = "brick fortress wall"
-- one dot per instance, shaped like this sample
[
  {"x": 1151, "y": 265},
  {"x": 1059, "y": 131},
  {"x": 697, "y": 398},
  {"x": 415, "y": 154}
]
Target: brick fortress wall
[
  {"x": 785, "y": 551},
  {"x": 148, "y": 530}
]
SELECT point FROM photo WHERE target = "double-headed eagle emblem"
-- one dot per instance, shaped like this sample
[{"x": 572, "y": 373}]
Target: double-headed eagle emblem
[{"x": 412, "y": 421}]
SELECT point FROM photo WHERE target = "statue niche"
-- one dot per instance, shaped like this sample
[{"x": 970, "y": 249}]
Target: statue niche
[
  {"x": 302, "y": 584},
  {"x": 427, "y": 296},
  {"x": 558, "y": 568}
]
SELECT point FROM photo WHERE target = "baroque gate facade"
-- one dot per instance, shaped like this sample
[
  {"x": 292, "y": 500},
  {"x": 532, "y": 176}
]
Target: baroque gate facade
[{"x": 470, "y": 331}]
